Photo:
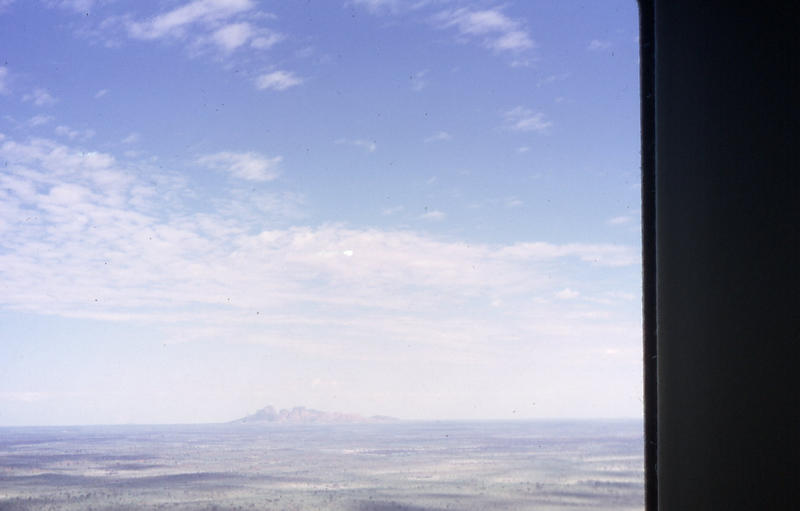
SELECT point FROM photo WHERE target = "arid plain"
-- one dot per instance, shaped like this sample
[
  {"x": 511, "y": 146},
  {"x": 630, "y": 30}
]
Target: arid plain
[{"x": 410, "y": 466}]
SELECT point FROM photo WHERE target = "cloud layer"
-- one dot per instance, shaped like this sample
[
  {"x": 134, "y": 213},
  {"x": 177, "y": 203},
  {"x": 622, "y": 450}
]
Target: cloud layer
[{"x": 84, "y": 235}]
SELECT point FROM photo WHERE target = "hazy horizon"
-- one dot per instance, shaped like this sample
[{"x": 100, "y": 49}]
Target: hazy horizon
[
  {"x": 426, "y": 209},
  {"x": 365, "y": 415}
]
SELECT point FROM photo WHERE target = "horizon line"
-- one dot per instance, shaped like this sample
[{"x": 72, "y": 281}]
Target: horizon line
[{"x": 269, "y": 424}]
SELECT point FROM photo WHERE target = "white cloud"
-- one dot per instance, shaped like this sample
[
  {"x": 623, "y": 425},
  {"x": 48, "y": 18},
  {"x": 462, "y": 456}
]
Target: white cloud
[
  {"x": 418, "y": 81},
  {"x": 377, "y": 6},
  {"x": 132, "y": 138},
  {"x": 74, "y": 134},
  {"x": 567, "y": 294},
  {"x": 174, "y": 23},
  {"x": 99, "y": 94},
  {"x": 233, "y": 35},
  {"x": 368, "y": 145},
  {"x": 26, "y": 396},
  {"x": 619, "y": 220},
  {"x": 4, "y": 89},
  {"x": 278, "y": 80},
  {"x": 204, "y": 27},
  {"x": 433, "y": 214},
  {"x": 38, "y": 120},
  {"x": 324, "y": 382},
  {"x": 550, "y": 79},
  {"x": 523, "y": 149},
  {"x": 252, "y": 207},
  {"x": 510, "y": 202},
  {"x": 598, "y": 45},
  {"x": 84, "y": 235},
  {"x": 596, "y": 254},
  {"x": 81, "y": 6},
  {"x": 439, "y": 136},
  {"x": 623, "y": 295},
  {"x": 496, "y": 30},
  {"x": 265, "y": 39},
  {"x": 391, "y": 211},
  {"x": 249, "y": 166},
  {"x": 524, "y": 119},
  {"x": 514, "y": 40},
  {"x": 39, "y": 97}
]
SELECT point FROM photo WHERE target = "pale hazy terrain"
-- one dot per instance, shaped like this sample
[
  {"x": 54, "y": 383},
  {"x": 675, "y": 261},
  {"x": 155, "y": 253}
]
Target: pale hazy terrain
[
  {"x": 411, "y": 466},
  {"x": 303, "y": 415}
]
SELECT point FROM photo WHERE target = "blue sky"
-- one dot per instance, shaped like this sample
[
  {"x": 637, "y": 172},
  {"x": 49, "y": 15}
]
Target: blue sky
[{"x": 426, "y": 209}]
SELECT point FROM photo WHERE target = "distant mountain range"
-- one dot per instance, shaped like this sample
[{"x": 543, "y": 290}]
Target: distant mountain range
[{"x": 303, "y": 415}]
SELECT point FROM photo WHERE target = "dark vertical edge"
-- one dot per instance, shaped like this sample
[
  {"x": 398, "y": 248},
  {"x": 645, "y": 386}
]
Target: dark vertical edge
[{"x": 647, "y": 85}]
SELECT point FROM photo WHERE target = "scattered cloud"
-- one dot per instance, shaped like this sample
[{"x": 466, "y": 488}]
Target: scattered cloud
[
  {"x": 567, "y": 294},
  {"x": 26, "y": 396},
  {"x": 523, "y": 149},
  {"x": 278, "y": 80},
  {"x": 368, "y": 145},
  {"x": 251, "y": 207},
  {"x": 175, "y": 22},
  {"x": 515, "y": 40},
  {"x": 249, "y": 166},
  {"x": 226, "y": 25},
  {"x": 81, "y": 6},
  {"x": 324, "y": 382},
  {"x": 525, "y": 119},
  {"x": 4, "y": 89},
  {"x": 619, "y": 220},
  {"x": 622, "y": 295},
  {"x": 596, "y": 254},
  {"x": 550, "y": 79},
  {"x": 598, "y": 45},
  {"x": 132, "y": 138},
  {"x": 99, "y": 94},
  {"x": 233, "y": 35},
  {"x": 39, "y": 120},
  {"x": 265, "y": 39},
  {"x": 523, "y": 62},
  {"x": 377, "y": 6},
  {"x": 491, "y": 26},
  {"x": 439, "y": 136},
  {"x": 510, "y": 202},
  {"x": 391, "y": 211},
  {"x": 74, "y": 134},
  {"x": 433, "y": 214},
  {"x": 418, "y": 81},
  {"x": 39, "y": 97},
  {"x": 85, "y": 235}
]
